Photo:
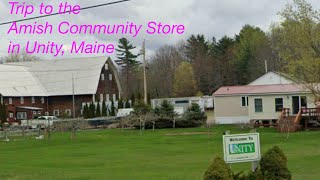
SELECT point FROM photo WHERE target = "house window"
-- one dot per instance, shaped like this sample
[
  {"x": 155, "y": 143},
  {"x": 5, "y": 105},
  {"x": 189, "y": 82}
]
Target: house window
[
  {"x": 114, "y": 97},
  {"x": 42, "y": 100},
  {"x": 102, "y": 77},
  {"x": 21, "y": 115},
  {"x": 244, "y": 101},
  {"x": 56, "y": 112},
  {"x": 68, "y": 112},
  {"x": 258, "y": 105},
  {"x": 34, "y": 112},
  {"x": 106, "y": 66},
  {"x": 21, "y": 100},
  {"x": 33, "y": 100},
  {"x": 279, "y": 104},
  {"x": 101, "y": 97},
  {"x": 107, "y": 97},
  {"x": 10, "y": 100},
  {"x": 11, "y": 114},
  {"x": 110, "y": 77}
]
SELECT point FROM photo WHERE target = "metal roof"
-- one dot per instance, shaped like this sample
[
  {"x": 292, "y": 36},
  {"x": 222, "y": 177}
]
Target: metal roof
[
  {"x": 260, "y": 89},
  {"x": 51, "y": 77}
]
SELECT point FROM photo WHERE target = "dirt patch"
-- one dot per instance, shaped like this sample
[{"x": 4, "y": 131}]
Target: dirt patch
[{"x": 186, "y": 133}]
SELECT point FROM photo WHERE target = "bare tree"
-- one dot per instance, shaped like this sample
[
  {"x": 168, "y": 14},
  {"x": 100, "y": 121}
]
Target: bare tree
[{"x": 18, "y": 57}]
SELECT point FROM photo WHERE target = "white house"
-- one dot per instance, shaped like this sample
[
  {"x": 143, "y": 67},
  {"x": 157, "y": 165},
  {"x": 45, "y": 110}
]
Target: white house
[{"x": 262, "y": 100}]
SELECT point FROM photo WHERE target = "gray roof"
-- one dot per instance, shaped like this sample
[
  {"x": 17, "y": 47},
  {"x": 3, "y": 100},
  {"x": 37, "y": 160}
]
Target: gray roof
[{"x": 51, "y": 77}]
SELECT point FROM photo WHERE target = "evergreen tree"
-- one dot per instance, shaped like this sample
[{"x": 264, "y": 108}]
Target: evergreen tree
[
  {"x": 92, "y": 110},
  {"x": 3, "y": 113},
  {"x": 104, "y": 109},
  {"x": 149, "y": 98},
  {"x": 98, "y": 110},
  {"x": 133, "y": 99},
  {"x": 112, "y": 111},
  {"x": 85, "y": 111},
  {"x": 126, "y": 59},
  {"x": 139, "y": 96},
  {"x": 120, "y": 103},
  {"x": 127, "y": 104}
]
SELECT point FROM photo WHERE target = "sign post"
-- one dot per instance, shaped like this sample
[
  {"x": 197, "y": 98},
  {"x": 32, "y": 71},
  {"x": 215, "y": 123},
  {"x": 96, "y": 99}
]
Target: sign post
[{"x": 242, "y": 148}]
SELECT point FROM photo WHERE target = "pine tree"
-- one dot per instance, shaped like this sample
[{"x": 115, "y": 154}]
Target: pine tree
[
  {"x": 3, "y": 113},
  {"x": 104, "y": 109},
  {"x": 98, "y": 110},
  {"x": 120, "y": 103},
  {"x": 127, "y": 104},
  {"x": 92, "y": 110},
  {"x": 112, "y": 111},
  {"x": 126, "y": 59},
  {"x": 133, "y": 100},
  {"x": 85, "y": 111}
]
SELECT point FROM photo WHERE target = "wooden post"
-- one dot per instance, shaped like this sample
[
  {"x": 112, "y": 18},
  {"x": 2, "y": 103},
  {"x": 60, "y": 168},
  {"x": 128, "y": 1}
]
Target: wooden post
[{"x": 254, "y": 164}]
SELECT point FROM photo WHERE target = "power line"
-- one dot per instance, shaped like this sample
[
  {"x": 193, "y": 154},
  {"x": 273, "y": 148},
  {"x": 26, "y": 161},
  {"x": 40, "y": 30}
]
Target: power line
[{"x": 54, "y": 14}]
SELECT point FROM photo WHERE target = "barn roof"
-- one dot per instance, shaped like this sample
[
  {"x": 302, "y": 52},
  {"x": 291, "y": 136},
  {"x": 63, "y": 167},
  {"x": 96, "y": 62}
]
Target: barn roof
[{"x": 51, "y": 77}]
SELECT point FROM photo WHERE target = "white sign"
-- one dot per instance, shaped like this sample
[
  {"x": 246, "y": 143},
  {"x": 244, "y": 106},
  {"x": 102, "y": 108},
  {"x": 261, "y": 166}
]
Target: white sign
[{"x": 241, "y": 148}]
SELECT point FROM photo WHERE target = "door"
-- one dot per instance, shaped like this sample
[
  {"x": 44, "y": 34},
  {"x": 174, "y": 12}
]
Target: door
[
  {"x": 295, "y": 104},
  {"x": 298, "y": 102}
]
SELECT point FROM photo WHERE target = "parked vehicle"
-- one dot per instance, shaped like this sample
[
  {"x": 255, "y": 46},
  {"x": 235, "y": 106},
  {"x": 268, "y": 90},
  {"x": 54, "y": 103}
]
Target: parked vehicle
[
  {"x": 41, "y": 122},
  {"x": 314, "y": 124}
]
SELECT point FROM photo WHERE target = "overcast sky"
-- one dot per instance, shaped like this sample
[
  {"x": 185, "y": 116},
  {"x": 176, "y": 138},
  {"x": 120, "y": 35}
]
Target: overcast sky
[{"x": 209, "y": 17}]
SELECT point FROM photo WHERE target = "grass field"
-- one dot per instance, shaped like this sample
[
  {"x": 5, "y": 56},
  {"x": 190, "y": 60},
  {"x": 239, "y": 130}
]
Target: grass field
[{"x": 163, "y": 154}]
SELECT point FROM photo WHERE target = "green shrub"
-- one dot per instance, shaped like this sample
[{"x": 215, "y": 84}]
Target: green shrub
[
  {"x": 273, "y": 165},
  {"x": 218, "y": 170}
]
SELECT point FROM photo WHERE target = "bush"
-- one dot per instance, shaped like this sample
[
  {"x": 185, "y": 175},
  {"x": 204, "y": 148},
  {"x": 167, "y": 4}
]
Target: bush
[
  {"x": 182, "y": 123},
  {"x": 273, "y": 165},
  {"x": 219, "y": 170},
  {"x": 193, "y": 117}
]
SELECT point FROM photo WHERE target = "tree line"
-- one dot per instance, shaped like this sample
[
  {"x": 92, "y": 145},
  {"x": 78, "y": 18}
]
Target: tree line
[{"x": 200, "y": 65}]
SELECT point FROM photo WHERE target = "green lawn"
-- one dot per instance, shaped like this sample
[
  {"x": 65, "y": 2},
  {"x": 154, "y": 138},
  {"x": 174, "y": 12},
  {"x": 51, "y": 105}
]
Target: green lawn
[{"x": 112, "y": 154}]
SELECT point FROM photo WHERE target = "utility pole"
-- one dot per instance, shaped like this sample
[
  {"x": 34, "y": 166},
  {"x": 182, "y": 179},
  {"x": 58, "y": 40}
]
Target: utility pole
[
  {"x": 73, "y": 104},
  {"x": 144, "y": 72},
  {"x": 266, "y": 66}
]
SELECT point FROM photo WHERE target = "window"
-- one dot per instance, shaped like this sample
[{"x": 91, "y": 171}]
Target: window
[
  {"x": 34, "y": 112},
  {"x": 102, "y": 77},
  {"x": 56, "y": 112},
  {"x": 258, "y": 105},
  {"x": 114, "y": 97},
  {"x": 42, "y": 100},
  {"x": 21, "y": 115},
  {"x": 110, "y": 77},
  {"x": 21, "y": 100},
  {"x": 10, "y": 100},
  {"x": 68, "y": 112},
  {"x": 244, "y": 101},
  {"x": 106, "y": 66},
  {"x": 107, "y": 97},
  {"x": 101, "y": 97},
  {"x": 33, "y": 100},
  {"x": 11, "y": 114},
  {"x": 182, "y": 102},
  {"x": 279, "y": 104}
]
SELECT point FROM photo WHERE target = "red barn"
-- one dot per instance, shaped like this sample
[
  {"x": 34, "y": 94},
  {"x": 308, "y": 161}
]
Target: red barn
[{"x": 32, "y": 89}]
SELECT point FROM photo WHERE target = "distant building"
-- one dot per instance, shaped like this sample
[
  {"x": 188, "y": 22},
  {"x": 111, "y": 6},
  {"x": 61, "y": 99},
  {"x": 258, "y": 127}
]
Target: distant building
[
  {"x": 32, "y": 89},
  {"x": 182, "y": 104},
  {"x": 261, "y": 100}
]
